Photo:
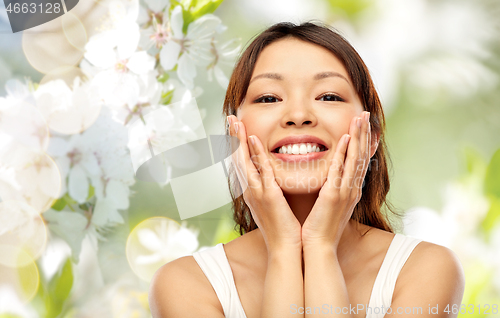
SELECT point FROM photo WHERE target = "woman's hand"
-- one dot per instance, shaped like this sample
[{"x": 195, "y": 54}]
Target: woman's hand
[
  {"x": 342, "y": 189},
  {"x": 270, "y": 210}
]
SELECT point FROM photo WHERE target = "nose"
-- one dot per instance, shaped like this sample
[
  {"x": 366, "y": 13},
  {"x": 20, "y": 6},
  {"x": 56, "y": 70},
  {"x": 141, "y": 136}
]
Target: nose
[{"x": 298, "y": 112}]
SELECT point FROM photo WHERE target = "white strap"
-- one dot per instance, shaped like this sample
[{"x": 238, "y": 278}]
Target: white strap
[
  {"x": 213, "y": 262},
  {"x": 381, "y": 297}
]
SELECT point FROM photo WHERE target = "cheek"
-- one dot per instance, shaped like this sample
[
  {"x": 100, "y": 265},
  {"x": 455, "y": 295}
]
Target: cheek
[
  {"x": 340, "y": 126},
  {"x": 258, "y": 125}
]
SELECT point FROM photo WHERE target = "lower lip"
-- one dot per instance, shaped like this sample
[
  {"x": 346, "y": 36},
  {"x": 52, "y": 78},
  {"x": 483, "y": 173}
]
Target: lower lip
[{"x": 293, "y": 158}]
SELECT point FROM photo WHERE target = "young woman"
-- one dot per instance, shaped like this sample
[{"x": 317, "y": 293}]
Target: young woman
[{"x": 312, "y": 164}]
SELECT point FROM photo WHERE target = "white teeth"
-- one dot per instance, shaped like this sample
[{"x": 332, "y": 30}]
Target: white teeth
[{"x": 301, "y": 148}]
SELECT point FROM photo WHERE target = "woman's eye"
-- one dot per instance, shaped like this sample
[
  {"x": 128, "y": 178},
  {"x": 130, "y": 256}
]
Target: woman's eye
[
  {"x": 331, "y": 98},
  {"x": 267, "y": 99}
]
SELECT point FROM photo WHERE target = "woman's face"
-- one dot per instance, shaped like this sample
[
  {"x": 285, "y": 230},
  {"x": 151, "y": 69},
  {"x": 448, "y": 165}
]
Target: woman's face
[{"x": 299, "y": 89}]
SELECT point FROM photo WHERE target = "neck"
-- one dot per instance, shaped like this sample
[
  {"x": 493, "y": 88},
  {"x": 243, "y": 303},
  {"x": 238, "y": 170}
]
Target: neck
[{"x": 301, "y": 204}]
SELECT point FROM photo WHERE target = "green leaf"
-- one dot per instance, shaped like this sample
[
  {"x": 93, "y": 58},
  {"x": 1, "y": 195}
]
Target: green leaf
[
  {"x": 492, "y": 180},
  {"x": 473, "y": 160},
  {"x": 166, "y": 97},
  {"x": 39, "y": 302},
  {"x": 187, "y": 17},
  {"x": 493, "y": 215},
  {"x": 59, "y": 289},
  {"x": 59, "y": 204},
  {"x": 91, "y": 192},
  {"x": 492, "y": 192},
  {"x": 205, "y": 7},
  {"x": 186, "y": 3},
  {"x": 198, "y": 9},
  {"x": 163, "y": 77},
  {"x": 67, "y": 200}
]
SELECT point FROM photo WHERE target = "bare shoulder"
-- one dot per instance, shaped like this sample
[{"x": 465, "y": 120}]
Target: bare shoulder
[
  {"x": 432, "y": 275},
  {"x": 181, "y": 289},
  {"x": 433, "y": 262}
]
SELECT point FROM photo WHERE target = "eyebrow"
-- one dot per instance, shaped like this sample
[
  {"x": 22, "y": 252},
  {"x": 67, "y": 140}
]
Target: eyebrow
[
  {"x": 275, "y": 76},
  {"x": 316, "y": 77},
  {"x": 323, "y": 75}
]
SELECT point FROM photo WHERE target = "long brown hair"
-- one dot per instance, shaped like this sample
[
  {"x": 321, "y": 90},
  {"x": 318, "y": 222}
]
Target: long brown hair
[{"x": 376, "y": 182}]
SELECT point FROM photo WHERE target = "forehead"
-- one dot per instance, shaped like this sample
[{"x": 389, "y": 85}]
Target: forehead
[{"x": 296, "y": 58}]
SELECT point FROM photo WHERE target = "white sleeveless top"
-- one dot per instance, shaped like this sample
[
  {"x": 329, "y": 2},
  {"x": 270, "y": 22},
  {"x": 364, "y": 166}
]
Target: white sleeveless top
[{"x": 213, "y": 262}]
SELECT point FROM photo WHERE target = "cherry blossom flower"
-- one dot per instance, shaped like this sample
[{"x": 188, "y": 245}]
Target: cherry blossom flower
[
  {"x": 194, "y": 48},
  {"x": 99, "y": 156},
  {"x": 223, "y": 54}
]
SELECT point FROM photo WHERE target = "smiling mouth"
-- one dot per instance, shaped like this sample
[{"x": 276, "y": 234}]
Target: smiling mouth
[{"x": 322, "y": 148}]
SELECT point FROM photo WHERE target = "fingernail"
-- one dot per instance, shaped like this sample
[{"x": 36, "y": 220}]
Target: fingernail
[
  {"x": 236, "y": 127},
  {"x": 358, "y": 121},
  {"x": 367, "y": 117},
  {"x": 252, "y": 140},
  {"x": 347, "y": 139}
]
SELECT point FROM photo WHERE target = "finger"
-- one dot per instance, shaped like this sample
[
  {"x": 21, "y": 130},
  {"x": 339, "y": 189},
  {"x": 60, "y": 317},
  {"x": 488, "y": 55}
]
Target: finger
[
  {"x": 236, "y": 156},
  {"x": 254, "y": 157},
  {"x": 334, "y": 179},
  {"x": 244, "y": 160},
  {"x": 368, "y": 146},
  {"x": 352, "y": 158},
  {"x": 263, "y": 161},
  {"x": 364, "y": 150}
]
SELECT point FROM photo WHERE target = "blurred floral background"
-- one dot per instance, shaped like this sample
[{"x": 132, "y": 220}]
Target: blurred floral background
[{"x": 81, "y": 236}]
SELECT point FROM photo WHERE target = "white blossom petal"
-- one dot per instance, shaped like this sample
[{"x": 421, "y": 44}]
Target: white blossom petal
[
  {"x": 89, "y": 162},
  {"x": 106, "y": 214},
  {"x": 150, "y": 88},
  {"x": 186, "y": 70},
  {"x": 203, "y": 27},
  {"x": 63, "y": 163},
  {"x": 99, "y": 50},
  {"x": 57, "y": 146},
  {"x": 141, "y": 62},
  {"x": 169, "y": 55},
  {"x": 221, "y": 77},
  {"x": 78, "y": 184},
  {"x": 116, "y": 89},
  {"x": 142, "y": 17},
  {"x": 128, "y": 39},
  {"x": 70, "y": 226},
  {"x": 157, "y": 5},
  {"x": 118, "y": 193},
  {"x": 177, "y": 22}
]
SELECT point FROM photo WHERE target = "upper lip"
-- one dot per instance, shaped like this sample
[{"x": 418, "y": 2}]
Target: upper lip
[{"x": 297, "y": 139}]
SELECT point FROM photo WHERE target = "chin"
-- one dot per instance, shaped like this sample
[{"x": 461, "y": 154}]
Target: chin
[
  {"x": 298, "y": 191},
  {"x": 295, "y": 182}
]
